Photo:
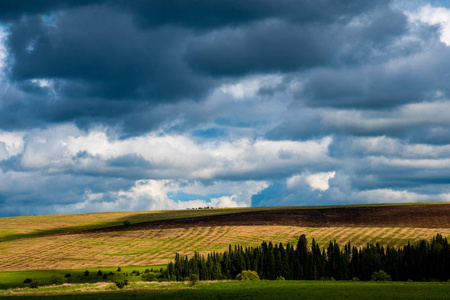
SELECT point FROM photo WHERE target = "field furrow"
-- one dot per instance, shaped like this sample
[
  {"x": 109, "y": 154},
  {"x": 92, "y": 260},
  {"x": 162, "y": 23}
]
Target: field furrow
[{"x": 157, "y": 246}]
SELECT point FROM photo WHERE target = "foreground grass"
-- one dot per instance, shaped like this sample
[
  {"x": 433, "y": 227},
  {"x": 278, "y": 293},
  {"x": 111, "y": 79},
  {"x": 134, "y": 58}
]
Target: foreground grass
[
  {"x": 242, "y": 290},
  {"x": 14, "y": 279}
]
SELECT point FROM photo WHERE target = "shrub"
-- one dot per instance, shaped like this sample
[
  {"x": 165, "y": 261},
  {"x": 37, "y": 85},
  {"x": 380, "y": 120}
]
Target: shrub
[
  {"x": 332, "y": 279},
  {"x": 67, "y": 275},
  {"x": 28, "y": 280},
  {"x": 193, "y": 279},
  {"x": 147, "y": 271},
  {"x": 247, "y": 275},
  {"x": 56, "y": 280},
  {"x": 355, "y": 279},
  {"x": 34, "y": 285},
  {"x": 120, "y": 284},
  {"x": 381, "y": 276},
  {"x": 280, "y": 278},
  {"x": 150, "y": 276},
  {"x": 86, "y": 273},
  {"x": 126, "y": 223},
  {"x": 105, "y": 276},
  {"x": 119, "y": 269},
  {"x": 99, "y": 273}
]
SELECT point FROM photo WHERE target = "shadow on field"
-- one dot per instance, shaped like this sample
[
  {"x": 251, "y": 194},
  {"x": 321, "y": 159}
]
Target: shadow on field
[{"x": 415, "y": 216}]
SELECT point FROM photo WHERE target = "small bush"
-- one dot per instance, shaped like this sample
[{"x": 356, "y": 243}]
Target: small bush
[
  {"x": 111, "y": 273},
  {"x": 105, "y": 276},
  {"x": 99, "y": 273},
  {"x": 332, "y": 279},
  {"x": 409, "y": 280},
  {"x": 86, "y": 273},
  {"x": 247, "y": 275},
  {"x": 120, "y": 284},
  {"x": 150, "y": 276},
  {"x": 193, "y": 279},
  {"x": 280, "y": 278},
  {"x": 119, "y": 269},
  {"x": 126, "y": 223},
  {"x": 34, "y": 285},
  {"x": 355, "y": 279},
  {"x": 56, "y": 280},
  {"x": 381, "y": 276},
  {"x": 67, "y": 275},
  {"x": 147, "y": 271},
  {"x": 28, "y": 280}
]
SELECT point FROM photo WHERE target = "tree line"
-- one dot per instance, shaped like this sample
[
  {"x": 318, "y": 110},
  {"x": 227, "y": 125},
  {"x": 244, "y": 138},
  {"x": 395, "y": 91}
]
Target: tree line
[{"x": 419, "y": 261}]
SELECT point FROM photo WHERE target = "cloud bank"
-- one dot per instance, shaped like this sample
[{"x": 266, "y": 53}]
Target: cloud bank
[{"x": 110, "y": 105}]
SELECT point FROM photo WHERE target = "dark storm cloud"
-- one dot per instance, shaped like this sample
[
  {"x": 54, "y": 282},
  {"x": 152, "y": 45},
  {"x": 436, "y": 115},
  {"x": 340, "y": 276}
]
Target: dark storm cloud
[
  {"x": 284, "y": 46},
  {"x": 200, "y": 13},
  {"x": 13, "y": 9},
  {"x": 204, "y": 14},
  {"x": 271, "y": 46},
  {"x": 220, "y": 91},
  {"x": 375, "y": 86},
  {"x": 98, "y": 52},
  {"x": 94, "y": 53}
]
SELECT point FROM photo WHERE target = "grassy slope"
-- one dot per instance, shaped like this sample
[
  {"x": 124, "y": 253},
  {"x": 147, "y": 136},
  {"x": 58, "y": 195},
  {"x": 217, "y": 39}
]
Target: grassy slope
[{"x": 245, "y": 290}]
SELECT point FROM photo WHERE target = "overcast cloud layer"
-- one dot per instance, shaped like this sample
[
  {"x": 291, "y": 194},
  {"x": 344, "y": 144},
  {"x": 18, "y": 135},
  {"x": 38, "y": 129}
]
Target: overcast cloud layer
[{"x": 137, "y": 105}]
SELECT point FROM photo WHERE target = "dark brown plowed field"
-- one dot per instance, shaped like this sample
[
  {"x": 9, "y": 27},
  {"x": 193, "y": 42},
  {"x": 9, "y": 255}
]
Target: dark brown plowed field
[{"x": 415, "y": 216}]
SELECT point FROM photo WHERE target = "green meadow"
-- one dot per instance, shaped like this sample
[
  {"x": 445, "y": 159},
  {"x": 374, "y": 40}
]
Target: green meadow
[
  {"x": 15, "y": 279},
  {"x": 242, "y": 290}
]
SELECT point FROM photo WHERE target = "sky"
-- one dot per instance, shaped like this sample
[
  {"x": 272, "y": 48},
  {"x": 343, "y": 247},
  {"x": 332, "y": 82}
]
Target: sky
[{"x": 149, "y": 105}]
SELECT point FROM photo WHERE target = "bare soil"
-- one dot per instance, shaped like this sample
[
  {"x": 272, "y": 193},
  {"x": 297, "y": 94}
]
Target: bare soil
[{"x": 412, "y": 216}]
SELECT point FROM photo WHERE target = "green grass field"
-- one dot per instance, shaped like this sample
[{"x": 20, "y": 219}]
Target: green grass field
[
  {"x": 242, "y": 290},
  {"x": 14, "y": 279}
]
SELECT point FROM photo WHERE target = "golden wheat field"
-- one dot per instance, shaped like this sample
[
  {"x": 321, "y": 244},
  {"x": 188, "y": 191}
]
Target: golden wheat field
[{"x": 152, "y": 244}]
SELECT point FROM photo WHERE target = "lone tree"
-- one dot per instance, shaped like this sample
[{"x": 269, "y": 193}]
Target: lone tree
[
  {"x": 193, "y": 278},
  {"x": 247, "y": 275},
  {"x": 381, "y": 276}
]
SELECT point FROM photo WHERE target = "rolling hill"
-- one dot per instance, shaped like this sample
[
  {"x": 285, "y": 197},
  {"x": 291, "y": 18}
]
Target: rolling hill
[{"x": 100, "y": 239}]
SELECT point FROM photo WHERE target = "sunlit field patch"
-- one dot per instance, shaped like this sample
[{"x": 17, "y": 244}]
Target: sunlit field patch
[{"x": 157, "y": 246}]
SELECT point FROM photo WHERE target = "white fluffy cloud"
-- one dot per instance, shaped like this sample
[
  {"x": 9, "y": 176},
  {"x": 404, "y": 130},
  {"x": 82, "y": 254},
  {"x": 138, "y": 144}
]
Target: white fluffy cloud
[
  {"x": 250, "y": 86},
  {"x": 65, "y": 148},
  {"x": 395, "y": 196},
  {"x": 155, "y": 195},
  {"x": 11, "y": 144},
  {"x": 435, "y": 16},
  {"x": 317, "y": 181}
]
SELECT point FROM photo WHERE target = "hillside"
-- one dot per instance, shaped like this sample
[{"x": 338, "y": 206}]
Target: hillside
[{"x": 91, "y": 240}]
